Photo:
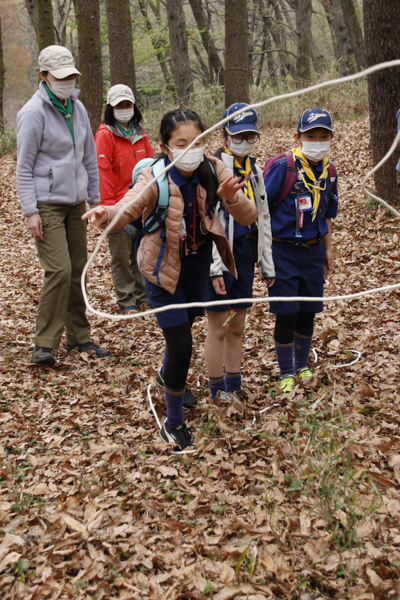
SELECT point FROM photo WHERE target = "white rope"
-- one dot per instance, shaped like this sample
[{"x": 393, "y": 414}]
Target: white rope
[{"x": 373, "y": 69}]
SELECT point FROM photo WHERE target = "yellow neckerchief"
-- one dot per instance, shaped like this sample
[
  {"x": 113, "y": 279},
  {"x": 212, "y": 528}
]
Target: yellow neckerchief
[
  {"x": 245, "y": 172},
  {"x": 316, "y": 187}
]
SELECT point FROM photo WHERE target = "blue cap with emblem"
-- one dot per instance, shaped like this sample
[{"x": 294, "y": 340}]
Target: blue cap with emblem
[
  {"x": 246, "y": 121},
  {"x": 314, "y": 117}
]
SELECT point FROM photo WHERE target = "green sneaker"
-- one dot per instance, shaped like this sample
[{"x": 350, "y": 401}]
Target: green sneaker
[
  {"x": 304, "y": 372},
  {"x": 287, "y": 383}
]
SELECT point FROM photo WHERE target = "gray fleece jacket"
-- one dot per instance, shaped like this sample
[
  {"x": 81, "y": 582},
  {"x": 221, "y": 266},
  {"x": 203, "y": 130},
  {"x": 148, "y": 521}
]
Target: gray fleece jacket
[{"x": 51, "y": 168}]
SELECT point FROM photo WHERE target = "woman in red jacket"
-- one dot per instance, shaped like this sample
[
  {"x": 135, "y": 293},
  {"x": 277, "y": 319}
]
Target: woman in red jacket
[{"x": 120, "y": 143}]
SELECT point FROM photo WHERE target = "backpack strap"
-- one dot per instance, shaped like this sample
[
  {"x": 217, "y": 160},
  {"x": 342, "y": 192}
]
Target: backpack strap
[
  {"x": 332, "y": 175},
  {"x": 289, "y": 181}
]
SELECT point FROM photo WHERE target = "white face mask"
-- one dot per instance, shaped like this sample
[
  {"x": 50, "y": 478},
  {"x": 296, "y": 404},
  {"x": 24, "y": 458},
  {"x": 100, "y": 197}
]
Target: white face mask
[
  {"x": 191, "y": 160},
  {"x": 243, "y": 148},
  {"x": 316, "y": 151},
  {"x": 123, "y": 115},
  {"x": 62, "y": 88}
]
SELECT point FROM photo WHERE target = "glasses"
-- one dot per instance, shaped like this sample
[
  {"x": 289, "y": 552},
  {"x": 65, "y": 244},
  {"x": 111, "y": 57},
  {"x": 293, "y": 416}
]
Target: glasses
[{"x": 248, "y": 137}]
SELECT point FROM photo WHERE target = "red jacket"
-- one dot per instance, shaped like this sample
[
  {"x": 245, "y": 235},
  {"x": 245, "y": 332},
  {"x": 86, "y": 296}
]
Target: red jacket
[{"x": 116, "y": 157}]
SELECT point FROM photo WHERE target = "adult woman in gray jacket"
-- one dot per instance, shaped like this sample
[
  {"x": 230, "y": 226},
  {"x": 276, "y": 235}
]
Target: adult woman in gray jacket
[
  {"x": 250, "y": 245},
  {"x": 56, "y": 174}
]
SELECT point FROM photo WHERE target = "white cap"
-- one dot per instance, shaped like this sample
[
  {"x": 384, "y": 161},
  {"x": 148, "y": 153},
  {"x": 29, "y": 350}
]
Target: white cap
[
  {"x": 58, "y": 61},
  {"x": 118, "y": 93}
]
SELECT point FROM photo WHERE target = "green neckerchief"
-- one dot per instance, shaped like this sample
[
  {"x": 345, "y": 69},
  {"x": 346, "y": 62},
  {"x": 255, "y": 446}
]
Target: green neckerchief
[
  {"x": 64, "y": 110},
  {"x": 124, "y": 132}
]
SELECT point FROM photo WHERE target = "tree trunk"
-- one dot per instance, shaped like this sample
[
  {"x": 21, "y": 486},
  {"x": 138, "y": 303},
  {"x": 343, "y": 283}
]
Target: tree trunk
[
  {"x": 251, "y": 40},
  {"x": 355, "y": 33},
  {"x": 179, "y": 51},
  {"x": 303, "y": 26},
  {"x": 122, "y": 64},
  {"x": 339, "y": 35},
  {"x": 62, "y": 10},
  {"x": 32, "y": 12},
  {"x": 317, "y": 58},
  {"x": 2, "y": 71},
  {"x": 236, "y": 52},
  {"x": 157, "y": 41},
  {"x": 45, "y": 27},
  {"x": 383, "y": 88},
  {"x": 91, "y": 79},
  {"x": 207, "y": 40}
]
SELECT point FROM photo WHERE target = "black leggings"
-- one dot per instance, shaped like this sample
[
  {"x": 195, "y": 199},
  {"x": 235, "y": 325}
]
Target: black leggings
[
  {"x": 286, "y": 325},
  {"x": 179, "y": 344}
]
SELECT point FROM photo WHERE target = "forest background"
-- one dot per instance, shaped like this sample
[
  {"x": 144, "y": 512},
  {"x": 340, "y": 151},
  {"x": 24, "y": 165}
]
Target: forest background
[{"x": 208, "y": 55}]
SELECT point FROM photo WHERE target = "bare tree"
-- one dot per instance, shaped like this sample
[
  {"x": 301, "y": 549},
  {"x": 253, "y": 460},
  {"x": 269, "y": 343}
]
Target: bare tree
[
  {"x": 207, "y": 40},
  {"x": 2, "y": 71},
  {"x": 179, "y": 51},
  {"x": 45, "y": 27},
  {"x": 339, "y": 35},
  {"x": 158, "y": 40},
  {"x": 32, "y": 12},
  {"x": 120, "y": 43},
  {"x": 60, "y": 15},
  {"x": 91, "y": 79},
  {"x": 355, "y": 33},
  {"x": 303, "y": 25},
  {"x": 383, "y": 88},
  {"x": 236, "y": 52}
]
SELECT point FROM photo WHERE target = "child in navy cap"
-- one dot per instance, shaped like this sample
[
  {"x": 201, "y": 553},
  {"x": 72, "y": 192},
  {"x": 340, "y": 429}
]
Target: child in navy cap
[
  {"x": 250, "y": 245},
  {"x": 302, "y": 244}
]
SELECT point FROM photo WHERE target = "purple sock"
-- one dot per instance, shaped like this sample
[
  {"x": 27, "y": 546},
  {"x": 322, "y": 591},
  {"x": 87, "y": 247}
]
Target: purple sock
[
  {"x": 284, "y": 354},
  {"x": 164, "y": 362},
  {"x": 233, "y": 381},
  {"x": 302, "y": 347},
  {"x": 174, "y": 400},
  {"x": 215, "y": 384}
]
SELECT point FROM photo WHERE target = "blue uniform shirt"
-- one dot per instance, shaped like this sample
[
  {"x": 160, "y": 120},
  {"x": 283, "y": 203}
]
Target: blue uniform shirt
[
  {"x": 283, "y": 219},
  {"x": 190, "y": 213}
]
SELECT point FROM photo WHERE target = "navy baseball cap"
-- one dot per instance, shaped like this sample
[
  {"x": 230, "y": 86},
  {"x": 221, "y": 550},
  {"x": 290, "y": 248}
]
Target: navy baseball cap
[
  {"x": 246, "y": 121},
  {"x": 314, "y": 117}
]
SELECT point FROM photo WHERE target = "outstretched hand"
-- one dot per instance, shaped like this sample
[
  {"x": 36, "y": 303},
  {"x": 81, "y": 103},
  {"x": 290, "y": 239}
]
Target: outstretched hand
[
  {"x": 96, "y": 218},
  {"x": 229, "y": 187}
]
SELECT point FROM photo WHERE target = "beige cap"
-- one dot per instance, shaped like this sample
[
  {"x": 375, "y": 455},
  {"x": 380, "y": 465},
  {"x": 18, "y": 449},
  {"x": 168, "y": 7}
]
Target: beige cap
[
  {"x": 58, "y": 61},
  {"x": 118, "y": 93}
]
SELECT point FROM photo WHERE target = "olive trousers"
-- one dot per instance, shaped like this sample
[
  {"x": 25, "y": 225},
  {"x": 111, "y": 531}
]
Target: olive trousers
[
  {"x": 128, "y": 283},
  {"x": 62, "y": 255}
]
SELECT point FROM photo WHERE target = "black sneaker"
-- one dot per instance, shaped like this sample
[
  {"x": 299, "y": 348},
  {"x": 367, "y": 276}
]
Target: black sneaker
[
  {"x": 42, "y": 356},
  {"x": 189, "y": 401},
  {"x": 100, "y": 352},
  {"x": 178, "y": 435}
]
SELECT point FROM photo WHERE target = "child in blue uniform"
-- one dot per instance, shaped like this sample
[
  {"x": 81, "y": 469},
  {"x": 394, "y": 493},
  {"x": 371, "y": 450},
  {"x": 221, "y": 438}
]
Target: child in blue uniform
[
  {"x": 302, "y": 244},
  {"x": 175, "y": 259},
  {"x": 250, "y": 244}
]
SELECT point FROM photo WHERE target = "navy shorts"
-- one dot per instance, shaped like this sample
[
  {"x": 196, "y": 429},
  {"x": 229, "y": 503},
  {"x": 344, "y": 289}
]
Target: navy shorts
[
  {"x": 242, "y": 287},
  {"x": 192, "y": 287},
  {"x": 299, "y": 271}
]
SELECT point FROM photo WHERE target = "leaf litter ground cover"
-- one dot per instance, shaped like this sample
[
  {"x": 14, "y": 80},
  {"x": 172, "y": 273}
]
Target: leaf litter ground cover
[{"x": 300, "y": 503}]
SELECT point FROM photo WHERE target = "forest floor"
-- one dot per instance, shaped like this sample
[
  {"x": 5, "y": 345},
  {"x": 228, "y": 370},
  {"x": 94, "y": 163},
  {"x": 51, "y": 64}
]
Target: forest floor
[{"x": 302, "y": 503}]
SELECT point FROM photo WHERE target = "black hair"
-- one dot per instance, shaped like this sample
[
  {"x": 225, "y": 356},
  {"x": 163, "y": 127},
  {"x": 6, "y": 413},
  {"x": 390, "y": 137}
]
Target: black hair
[
  {"x": 109, "y": 115},
  {"x": 170, "y": 122}
]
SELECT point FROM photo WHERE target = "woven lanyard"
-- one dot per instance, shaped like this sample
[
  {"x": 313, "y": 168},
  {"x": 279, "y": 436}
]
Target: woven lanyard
[
  {"x": 314, "y": 188},
  {"x": 193, "y": 246}
]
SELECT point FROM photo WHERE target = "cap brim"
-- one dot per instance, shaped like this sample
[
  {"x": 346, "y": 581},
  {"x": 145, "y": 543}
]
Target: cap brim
[
  {"x": 315, "y": 127},
  {"x": 64, "y": 72},
  {"x": 121, "y": 99},
  {"x": 242, "y": 128}
]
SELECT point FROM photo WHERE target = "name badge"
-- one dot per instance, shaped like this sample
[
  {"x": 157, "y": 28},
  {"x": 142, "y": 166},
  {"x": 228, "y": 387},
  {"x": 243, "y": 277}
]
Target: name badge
[{"x": 305, "y": 203}]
